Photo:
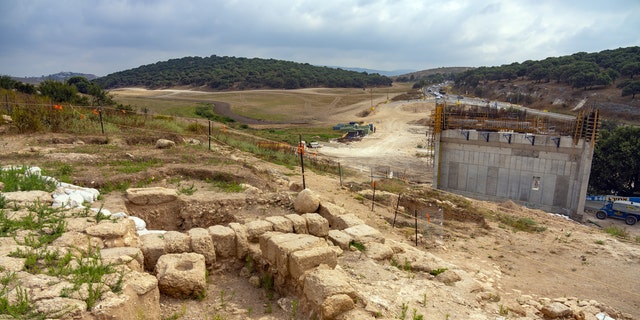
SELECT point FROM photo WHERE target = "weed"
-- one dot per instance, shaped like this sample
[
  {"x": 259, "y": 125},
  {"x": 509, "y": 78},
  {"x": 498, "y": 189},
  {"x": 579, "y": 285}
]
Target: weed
[
  {"x": 121, "y": 186},
  {"x": 177, "y": 315},
  {"x": 521, "y": 223},
  {"x": 222, "y": 303},
  {"x": 638, "y": 239},
  {"x": 21, "y": 179},
  {"x": 267, "y": 283},
  {"x": 437, "y": 271},
  {"x": 601, "y": 242},
  {"x": 403, "y": 312},
  {"x": 248, "y": 263},
  {"x": 424, "y": 299},
  {"x": 417, "y": 316},
  {"x": 188, "y": 190},
  {"x": 3, "y": 202},
  {"x": 294, "y": 309},
  {"x": 134, "y": 166},
  {"x": 358, "y": 245},
  {"x": 617, "y": 232},
  {"x": 504, "y": 311},
  {"x": 268, "y": 308}
]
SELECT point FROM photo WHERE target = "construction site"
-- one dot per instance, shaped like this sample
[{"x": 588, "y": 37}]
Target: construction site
[{"x": 497, "y": 154}]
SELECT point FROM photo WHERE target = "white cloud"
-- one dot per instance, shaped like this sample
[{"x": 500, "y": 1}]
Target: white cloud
[{"x": 103, "y": 36}]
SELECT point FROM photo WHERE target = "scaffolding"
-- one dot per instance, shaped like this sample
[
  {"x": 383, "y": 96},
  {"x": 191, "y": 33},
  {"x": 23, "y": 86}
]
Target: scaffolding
[{"x": 490, "y": 119}]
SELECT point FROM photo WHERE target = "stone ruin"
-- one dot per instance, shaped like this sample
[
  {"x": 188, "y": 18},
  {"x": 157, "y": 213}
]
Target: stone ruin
[{"x": 298, "y": 252}]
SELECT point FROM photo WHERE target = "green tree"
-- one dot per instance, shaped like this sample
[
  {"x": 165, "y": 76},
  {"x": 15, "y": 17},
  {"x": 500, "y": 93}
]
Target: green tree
[
  {"x": 616, "y": 165},
  {"x": 631, "y": 88},
  {"x": 58, "y": 91},
  {"x": 7, "y": 83},
  {"x": 630, "y": 69},
  {"x": 81, "y": 84}
]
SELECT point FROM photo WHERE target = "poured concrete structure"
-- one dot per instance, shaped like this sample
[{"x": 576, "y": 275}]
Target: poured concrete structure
[{"x": 541, "y": 171}]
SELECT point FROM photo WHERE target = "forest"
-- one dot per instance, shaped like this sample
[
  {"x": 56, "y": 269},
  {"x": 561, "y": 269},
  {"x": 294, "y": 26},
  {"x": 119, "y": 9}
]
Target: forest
[
  {"x": 231, "y": 73},
  {"x": 580, "y": 70}
]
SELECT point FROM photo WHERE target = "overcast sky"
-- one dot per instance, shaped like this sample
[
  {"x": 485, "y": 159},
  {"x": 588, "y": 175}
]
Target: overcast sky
[{"x": 41, "y": 37}]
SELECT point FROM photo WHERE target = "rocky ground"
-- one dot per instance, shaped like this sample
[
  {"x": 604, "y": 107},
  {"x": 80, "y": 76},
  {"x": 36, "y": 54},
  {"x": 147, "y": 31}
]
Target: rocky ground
[{"x": 569, "y": 270}]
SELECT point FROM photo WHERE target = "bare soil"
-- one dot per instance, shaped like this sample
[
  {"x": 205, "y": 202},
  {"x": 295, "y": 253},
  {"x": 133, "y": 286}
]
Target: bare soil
[{"x": 568, "y": 259}]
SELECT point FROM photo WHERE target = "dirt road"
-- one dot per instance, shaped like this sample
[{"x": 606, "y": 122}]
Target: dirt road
[{"x": 396, "y": 142}]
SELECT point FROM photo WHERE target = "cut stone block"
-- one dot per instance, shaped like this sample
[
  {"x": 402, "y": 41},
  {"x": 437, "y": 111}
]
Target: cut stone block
[
  {"x": 281, "y": 224},
  {"x": 346, "y": 221},
  {"x": 299, "y": 223},
  {"x": 303, "y": 260},
  {"x": 224, "y": 240},
  {"x": 364, "y": 234},
  {"x": 202, "y": 243},
  {"x": 242, "y": 242},
  {"x": 340, "y": 239},
  {"x": 176, "y": 242},
  {"x": 317, "y": 225},
  {"x": 257, "y": 228},
  {"x": 330, "y": 211}
]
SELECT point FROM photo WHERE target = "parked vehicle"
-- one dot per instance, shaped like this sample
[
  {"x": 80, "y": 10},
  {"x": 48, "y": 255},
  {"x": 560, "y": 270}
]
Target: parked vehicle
[{"x": 629, "y": 211}]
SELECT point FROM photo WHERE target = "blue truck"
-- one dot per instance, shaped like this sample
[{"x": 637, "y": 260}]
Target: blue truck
[{"x": 625, "y": 208}]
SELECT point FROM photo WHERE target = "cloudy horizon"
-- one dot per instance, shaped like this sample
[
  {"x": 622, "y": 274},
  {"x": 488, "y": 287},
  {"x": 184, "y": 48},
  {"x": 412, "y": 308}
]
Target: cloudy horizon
[{"x": 101, "y": 37}]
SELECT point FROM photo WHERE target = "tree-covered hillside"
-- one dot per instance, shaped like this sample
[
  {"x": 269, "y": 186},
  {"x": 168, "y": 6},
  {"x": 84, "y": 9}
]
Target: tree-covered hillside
[
  {"x": 580, "y": 70},
  {"x": 222, "y": 73}
]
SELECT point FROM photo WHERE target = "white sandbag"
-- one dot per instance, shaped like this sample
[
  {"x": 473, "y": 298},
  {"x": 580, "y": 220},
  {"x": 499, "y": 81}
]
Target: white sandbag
[
  {"x": 140, "y": 224},
  {"x": 145, "y": 231}
]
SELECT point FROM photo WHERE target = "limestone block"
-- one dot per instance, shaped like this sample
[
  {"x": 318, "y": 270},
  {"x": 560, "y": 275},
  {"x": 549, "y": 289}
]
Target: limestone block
[
  {"x": 201, "y": 243},
  {"x": 176, "y": 242},
  {"x": 303, "y": 260},
  {"x": 58, "y": 308},
  {"x": 324, "y": 282},
  {"x": 276, "y": 248},
  {"x": 378, "y": 251},
  {"x": 140, "y": 296},
  {"x": 25, "y": 197},
  {"x": 224, "y": 241},
  {"x": 164, "y": 144},
  {"x": 448, "y": 277},
  {"x": 130, "y": 256},
  {"x": 335, "y": 305},
  {"x": 242, "y": 242},
  {"x": 299, "y": 223},
  {"x": 77, "y": 240},
  {"x": 346, "y": 221},
  {"x": 78, "y": 224},
  {"x": 340, "y": 239},
  {"x": 364, "y": 234},
  {"x": 116, "y": 233},
  {"x": 9, "y": 264},
  {"x": 307, "y": 201},
  {"x": 181, "y": 275},
  {"x": 330, "y": 211},
  {"x": 317, "y": 225},
  {"x": 151, "y": 196},
  {"x": 256, "y": 228},
  {"x": 152, "y": 249},
  {"x": 556, "y": 310},
  {"x": 281, "y": 224}
]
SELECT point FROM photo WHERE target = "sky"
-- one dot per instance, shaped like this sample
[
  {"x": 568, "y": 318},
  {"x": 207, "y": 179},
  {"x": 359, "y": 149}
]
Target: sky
[{"x": 42, "y": 37}]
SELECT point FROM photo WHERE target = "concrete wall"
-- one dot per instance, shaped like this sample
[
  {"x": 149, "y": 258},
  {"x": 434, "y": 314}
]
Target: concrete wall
[{"x": 539, "y": 171}]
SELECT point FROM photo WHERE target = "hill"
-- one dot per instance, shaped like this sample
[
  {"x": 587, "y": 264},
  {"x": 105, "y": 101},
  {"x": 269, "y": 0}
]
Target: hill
[
  {"x": 226, "y": 73},
  {"x": 60, "y": 76},
  {"x": 603, "y": 80}
]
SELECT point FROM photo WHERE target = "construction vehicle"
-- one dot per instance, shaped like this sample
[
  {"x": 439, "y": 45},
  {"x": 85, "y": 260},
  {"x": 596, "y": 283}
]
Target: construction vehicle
[{"x": 628, "y": 210}]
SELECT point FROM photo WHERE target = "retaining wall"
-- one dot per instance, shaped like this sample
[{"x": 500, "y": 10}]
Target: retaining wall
[{"x": 541, "y": 171}]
